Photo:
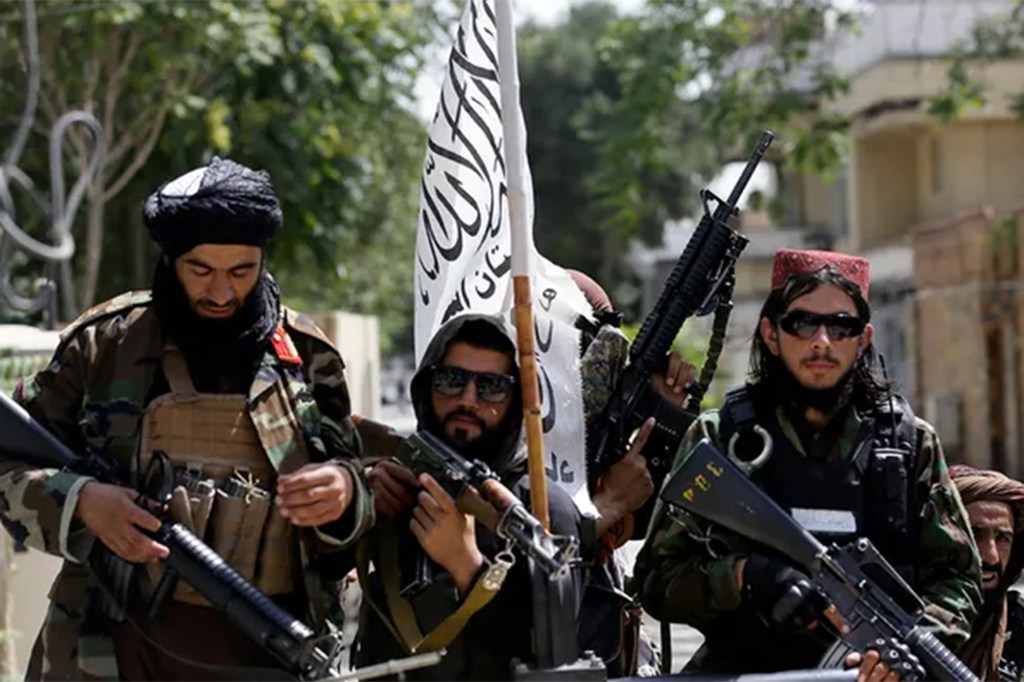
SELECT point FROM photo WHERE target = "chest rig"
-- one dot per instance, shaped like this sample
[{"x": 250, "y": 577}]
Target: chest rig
[
  {"x": 222, "y": 482},
  {"x": 868, "y": 491}
]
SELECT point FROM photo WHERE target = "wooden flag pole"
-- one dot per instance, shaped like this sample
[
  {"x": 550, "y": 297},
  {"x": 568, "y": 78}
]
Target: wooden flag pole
[
  {"x": 531, "y": 397},
  {"x": 515, "y": 156}
]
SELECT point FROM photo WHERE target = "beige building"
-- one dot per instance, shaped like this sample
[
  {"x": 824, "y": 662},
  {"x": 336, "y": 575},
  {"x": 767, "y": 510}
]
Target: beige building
[{"x": 937, "y": 209}]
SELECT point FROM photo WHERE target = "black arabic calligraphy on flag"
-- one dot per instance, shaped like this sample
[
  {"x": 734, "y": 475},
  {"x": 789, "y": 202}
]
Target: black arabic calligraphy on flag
[{"x": 463, "y": 243}]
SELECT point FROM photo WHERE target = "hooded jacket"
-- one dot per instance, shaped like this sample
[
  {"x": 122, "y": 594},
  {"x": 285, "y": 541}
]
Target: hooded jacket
[{"x": 502, "y": 630}]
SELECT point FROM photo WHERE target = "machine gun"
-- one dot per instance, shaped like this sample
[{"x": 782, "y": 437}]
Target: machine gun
[
  {"x": 701, "y": 281},
  {"x": 478, "y": 491},
  {"x": 881, "y": 611},
  {"x": 292, "y": 642}
]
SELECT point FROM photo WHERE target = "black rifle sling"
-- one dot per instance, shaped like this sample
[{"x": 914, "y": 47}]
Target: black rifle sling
[{"x": 715, "y": 346}]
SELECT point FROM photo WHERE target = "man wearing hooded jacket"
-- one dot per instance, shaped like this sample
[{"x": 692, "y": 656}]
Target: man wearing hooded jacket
[
  {"x": 247, "y": 401},
  {"x": 467, "y": 392}
]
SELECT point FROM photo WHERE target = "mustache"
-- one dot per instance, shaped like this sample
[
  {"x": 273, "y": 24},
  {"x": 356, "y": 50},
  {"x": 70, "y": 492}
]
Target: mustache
[
  {"x": 207, "y": 303},
  {"x": 821, "y": 357},
  {"x": 991, "y": 567},
  {"x": 460, "y": 412}
]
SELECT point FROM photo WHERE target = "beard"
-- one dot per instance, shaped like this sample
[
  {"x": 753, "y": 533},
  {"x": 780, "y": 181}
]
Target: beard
[
  {"x": 784, "y": 384},
  {"x": 486, "y": 447},
  {"x": 232, "y": 345}
]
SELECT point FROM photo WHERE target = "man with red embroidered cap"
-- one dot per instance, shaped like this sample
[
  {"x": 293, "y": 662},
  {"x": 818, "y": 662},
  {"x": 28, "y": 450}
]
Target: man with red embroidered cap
[
  {"x": 819, "y": 429},
  {"x": 241, "y": 398}
]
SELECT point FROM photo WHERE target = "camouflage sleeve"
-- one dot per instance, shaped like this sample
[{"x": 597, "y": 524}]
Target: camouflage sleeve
[
  {"x": 37, "y": 504},
  {"x": 946, "y": 561},
  {"x": 380, "y": 441},
  {"x": 342, "y": 444},
  {"x": 680, "y": 580}
]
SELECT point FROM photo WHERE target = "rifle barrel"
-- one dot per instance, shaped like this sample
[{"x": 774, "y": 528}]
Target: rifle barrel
[{"x": 762, "y": 148}]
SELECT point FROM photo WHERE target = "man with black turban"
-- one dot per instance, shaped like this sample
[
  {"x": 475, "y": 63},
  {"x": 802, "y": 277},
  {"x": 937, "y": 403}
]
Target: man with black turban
[
  {"x": 994, "y": 505},
  {"x": 245, "y": 402}
]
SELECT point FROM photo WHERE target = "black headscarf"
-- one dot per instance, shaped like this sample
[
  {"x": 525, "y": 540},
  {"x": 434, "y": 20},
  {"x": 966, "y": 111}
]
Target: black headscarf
[{"x": 223, "y": 203}]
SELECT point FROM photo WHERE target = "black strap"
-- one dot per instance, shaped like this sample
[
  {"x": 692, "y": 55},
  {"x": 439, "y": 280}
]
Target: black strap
[
  {"x": 738, "y": 411},
  {"x": 715, "y": 346}
]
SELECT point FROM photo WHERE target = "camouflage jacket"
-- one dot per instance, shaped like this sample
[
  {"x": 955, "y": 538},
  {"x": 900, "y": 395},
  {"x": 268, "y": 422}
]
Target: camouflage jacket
[
  {"x": 681, "y": 581},
  {"x": 92, "y": 395}
]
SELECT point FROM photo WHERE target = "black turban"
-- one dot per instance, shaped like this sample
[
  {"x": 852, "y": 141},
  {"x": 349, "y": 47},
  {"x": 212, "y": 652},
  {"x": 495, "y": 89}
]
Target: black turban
[{"x": 223, "y": 203}]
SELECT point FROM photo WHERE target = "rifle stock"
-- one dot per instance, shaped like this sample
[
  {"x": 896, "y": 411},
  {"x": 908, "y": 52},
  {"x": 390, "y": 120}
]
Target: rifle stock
[
  {"x": 292, "y": 642},
  {"x": 882, "y": 611}
]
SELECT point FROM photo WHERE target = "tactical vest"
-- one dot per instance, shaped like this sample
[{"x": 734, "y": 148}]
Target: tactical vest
[
  {"x": 870, "y": 495},
  {"x": 223, "y": 482}
]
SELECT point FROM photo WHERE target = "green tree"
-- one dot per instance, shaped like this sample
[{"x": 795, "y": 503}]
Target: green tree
[
  {"x": 628, "y": 116},
  {"x": 992, "y": 38},
  {"x": 572, "y": 95},
  {"x": 317, "y": 92}
]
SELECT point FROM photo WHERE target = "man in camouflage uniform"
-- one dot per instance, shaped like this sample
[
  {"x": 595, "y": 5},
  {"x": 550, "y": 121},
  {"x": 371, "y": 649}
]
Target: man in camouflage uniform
[
  {"x": 244, "y": 398},
  {"x": 808, "y": 427},
  {"x": 467, "y": 392}
]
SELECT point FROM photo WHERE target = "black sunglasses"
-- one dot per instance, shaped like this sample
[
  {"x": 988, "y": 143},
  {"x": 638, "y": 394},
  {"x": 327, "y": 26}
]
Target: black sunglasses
[
  {"x": 805, "y": 324},
  {"x": 491, "y": 387}
]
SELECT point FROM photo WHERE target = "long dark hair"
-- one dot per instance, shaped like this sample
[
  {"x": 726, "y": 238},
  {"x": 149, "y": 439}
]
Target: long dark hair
[{"x": 866, "y": 386}]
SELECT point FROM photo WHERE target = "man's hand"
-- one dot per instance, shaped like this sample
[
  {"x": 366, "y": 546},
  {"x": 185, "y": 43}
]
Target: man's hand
[
  {"x": 315, "y": 494},
  {"x": 871, "y": 667},
  {"x": 678, "y": 378},
  {"x": 447, "y": 535},
  {"x": 394, "y": 488},
  {"x": 110, "y": 513},
  {"x": 626, "y": 485}
]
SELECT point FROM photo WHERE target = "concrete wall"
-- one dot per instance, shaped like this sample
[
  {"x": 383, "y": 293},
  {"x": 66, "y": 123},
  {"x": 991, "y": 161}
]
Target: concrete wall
[
  {"x": 885, "y": 189},
  {"x": 968, "y": 164},
  {"x": 899, "y": 79},
  {"x": 358, "y": 338},
  {"x": 953, "y": 273}
]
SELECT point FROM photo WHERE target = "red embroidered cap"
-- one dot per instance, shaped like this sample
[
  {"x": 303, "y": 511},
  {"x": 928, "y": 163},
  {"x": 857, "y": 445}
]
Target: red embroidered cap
[{"x": 795, "y": 262}]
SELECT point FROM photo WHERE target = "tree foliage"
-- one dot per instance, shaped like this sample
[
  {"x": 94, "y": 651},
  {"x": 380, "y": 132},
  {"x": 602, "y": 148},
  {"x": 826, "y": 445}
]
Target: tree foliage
[
  {"x": 628, "y": 116},
  {"x": 593, "y": 192},
  {"x": 317, "y": 92},
  {"x": 992, "y": 38}
]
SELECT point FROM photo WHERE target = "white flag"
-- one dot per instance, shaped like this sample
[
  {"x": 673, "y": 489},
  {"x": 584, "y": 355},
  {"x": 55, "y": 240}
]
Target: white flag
[{"x": 463, "y": 243}]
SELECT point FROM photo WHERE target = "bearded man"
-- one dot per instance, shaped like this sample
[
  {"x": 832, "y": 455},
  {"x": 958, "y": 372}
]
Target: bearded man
[
  {"x": 245, "y": 402},
  {"x": 994, "y": 505},
  {"x": 818, "y": 429}
]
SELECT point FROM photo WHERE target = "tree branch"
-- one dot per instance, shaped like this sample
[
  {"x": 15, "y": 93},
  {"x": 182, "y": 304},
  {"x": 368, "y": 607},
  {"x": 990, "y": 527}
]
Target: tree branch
[
  {"x": 111, "y": 94},
  {"x": 141, "y": 155}
]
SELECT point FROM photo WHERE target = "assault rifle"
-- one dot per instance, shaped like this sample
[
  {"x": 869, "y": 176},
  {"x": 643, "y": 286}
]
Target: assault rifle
[
  {"x": 881, "y": 610},
  {"x": 702, "y": 281},
  {"x": 478, "y": 491},
  {"x": 301, "y": 652}
]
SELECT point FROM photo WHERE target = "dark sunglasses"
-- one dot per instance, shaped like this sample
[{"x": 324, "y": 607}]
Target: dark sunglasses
[
  {"x": 491, "y": 387},
  {"x": 805, "y": 325}
]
